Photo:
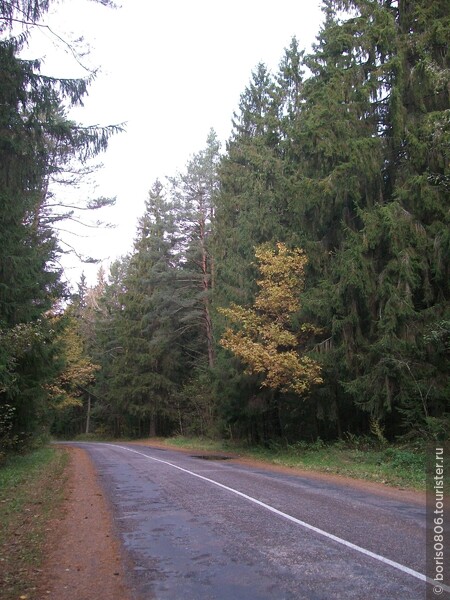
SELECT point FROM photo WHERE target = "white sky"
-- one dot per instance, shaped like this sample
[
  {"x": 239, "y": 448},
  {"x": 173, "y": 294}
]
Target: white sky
[{"x": 171, "y": 69}]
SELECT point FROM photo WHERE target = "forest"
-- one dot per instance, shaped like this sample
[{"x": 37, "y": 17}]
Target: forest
[{"x": 291, "y": 285}]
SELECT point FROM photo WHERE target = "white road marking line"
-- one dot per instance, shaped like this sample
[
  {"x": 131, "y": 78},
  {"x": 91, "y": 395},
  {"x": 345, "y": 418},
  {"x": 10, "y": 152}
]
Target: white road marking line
[{"x": 330, "y": 536}]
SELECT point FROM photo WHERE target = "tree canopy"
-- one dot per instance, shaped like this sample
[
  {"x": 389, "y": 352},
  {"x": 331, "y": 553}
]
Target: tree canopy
[{"x": 336, "y": 174}]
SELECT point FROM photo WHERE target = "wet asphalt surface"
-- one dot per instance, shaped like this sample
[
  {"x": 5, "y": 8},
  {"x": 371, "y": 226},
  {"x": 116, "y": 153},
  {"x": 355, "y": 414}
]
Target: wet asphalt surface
[{"x": 185, "y": 538}]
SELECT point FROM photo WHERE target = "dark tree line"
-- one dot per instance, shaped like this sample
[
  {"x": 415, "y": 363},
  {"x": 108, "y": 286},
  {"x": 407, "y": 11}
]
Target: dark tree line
[
  {"x": 343, "y": 153},
  {"x": 350, "y": 163}
]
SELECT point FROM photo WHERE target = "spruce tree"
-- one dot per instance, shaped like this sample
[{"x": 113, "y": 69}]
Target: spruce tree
[
  {"x": 375, "y": 119},
  {"x": 138, "y": 338},
  {"x": 36, "y": 141},
  {"x": 250, "y": 208},
  {"x": 150, "y": 312}
]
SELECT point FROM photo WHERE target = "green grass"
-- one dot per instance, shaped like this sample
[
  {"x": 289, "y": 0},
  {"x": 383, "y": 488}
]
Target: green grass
[
  {"x": 197, "y": 443},
  {"x": 31, "y": 491},
  {"x": 363, "y": 458}
]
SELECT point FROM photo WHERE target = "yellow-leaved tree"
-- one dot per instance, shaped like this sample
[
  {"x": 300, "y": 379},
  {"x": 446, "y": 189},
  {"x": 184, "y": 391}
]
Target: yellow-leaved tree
[
  {"x": 262, "y": 336},
  {"x": 78, "y": 371}
]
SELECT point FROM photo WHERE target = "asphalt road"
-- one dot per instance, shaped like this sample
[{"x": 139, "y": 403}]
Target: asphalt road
[{"x": 195, "y": 529}]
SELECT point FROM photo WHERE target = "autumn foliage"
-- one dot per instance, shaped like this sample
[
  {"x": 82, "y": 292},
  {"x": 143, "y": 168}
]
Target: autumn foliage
[{"x": 262, "y": 336}]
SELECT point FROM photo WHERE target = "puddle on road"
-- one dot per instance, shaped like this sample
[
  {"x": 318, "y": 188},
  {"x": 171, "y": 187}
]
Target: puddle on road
[{"x": 211, "y": 456}]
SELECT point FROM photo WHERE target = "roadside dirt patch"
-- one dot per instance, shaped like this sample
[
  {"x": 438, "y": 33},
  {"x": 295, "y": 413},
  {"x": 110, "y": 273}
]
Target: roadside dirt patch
[{"x": 83, "y": 560}]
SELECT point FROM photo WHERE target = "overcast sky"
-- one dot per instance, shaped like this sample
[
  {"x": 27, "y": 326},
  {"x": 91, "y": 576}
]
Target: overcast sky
[{"x": 170, "y": 69}]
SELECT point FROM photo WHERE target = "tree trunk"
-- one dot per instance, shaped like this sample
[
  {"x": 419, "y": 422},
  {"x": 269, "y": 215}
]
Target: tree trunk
[
  {"x": 206, "y": 285},
  {"x": 152, "y": 429},
  {"x": 88, "y": 416}
]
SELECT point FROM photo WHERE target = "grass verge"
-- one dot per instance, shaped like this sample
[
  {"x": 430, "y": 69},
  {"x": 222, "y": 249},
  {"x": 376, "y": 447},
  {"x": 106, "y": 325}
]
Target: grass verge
[
  {"x": 31, "y": 492},
  {"x": 360, "y": 458}
]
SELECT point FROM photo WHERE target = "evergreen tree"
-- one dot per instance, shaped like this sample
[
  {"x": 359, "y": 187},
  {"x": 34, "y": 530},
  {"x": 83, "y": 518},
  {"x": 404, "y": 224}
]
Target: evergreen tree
[
  {"x": 194, "y": 193},
  {"x": 335, "y": 141},
  {"x": 157, "y": 308},
  {"x": 138, "y": 339},
  {"x": 36, "y": 140},
  {"x": 257, "y": 175},
  {"x": 251, "y": 207},
  {"x": 150, "y": 308},
  {"x": 375, "y": 200},
  {"x": 113, "y": 380}
]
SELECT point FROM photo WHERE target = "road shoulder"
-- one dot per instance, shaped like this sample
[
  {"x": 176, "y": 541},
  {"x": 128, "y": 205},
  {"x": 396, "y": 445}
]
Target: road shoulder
[{"x": 83, "y": 558}]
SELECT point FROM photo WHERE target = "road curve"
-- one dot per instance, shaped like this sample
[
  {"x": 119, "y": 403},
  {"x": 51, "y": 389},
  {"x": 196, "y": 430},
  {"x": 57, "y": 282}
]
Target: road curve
[{"x": 195, "y": 529}]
